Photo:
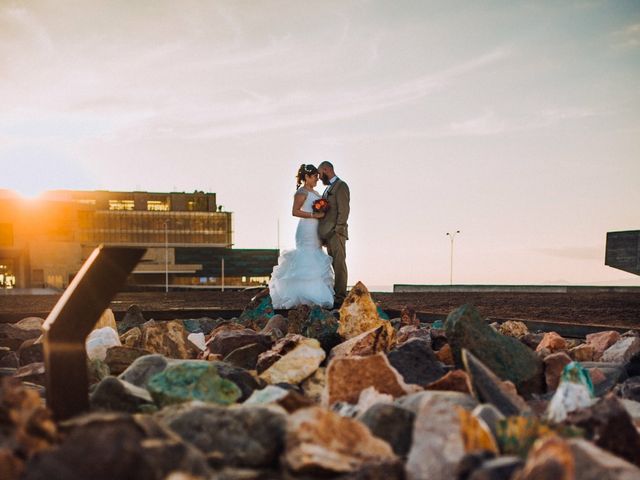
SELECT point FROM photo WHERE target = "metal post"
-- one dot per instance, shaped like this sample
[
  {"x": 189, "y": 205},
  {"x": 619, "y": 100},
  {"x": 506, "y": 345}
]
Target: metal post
[
  {"x": 73, "y": 318},
  {"x": 222, "y": 269},
  {"x": 451, "y": 237}
]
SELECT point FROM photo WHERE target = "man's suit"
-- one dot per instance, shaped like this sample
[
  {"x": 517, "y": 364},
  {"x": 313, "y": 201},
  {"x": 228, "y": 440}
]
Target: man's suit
[{"x": 334, "y": 233}]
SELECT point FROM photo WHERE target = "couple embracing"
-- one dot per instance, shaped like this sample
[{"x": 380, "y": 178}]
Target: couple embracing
[{"x": 308, "y": 275}]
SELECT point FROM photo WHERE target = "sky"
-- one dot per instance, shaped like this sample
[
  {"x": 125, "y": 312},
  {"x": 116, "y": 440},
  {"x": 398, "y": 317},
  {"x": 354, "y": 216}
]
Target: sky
[{"x": 517, "y": 123}]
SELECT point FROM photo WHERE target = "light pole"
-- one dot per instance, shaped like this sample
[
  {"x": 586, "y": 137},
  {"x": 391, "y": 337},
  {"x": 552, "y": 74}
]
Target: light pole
[{"x": 452, "y": 236}]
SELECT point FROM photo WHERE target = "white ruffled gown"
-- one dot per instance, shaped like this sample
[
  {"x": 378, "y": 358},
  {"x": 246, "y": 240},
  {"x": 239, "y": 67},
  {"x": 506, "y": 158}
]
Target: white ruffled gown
[{"x": 303, "y": 276}]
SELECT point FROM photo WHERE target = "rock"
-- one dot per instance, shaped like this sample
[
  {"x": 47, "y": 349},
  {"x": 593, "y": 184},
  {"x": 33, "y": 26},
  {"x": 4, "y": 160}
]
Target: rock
[
  {"x": 593, "y": 463},
  {"x": 117, "y": 395},
  {"x": 279, "y": 349},
  {"x": 34, "y": 373},
  {"x": 107, "y": 319},
  {"x": 551, "y": 458},
  {"x": 197, "y": 340},
  {"x": 27, "y": 427},
  {"x": 488, "y": 388},
  {"x": 501, "y": 468},
  {"x": 119, "y": 358},
  {"x": 225, "y": 341},
  {"x": 132, "y": 338},
  {"x": 438, "y": 445},
  {"x": 107, "y": 446},
  {"x": 297, "y": 364},
  {"x": 415, "y": 401},
  {"x": 319, "y": 441},
  {"x": 513, "y": 328},
  {"x": 277, "y": 322},
  {"x": 471, "y": 462},
  {"x": 290, "y": 400},
  {"x": 629, "y": 389},
  {"x": 490, "y": 415},
  {"x": 348, "y": 376},
  {"x": 391, "y": 423},
  {"x": 258, "y": 312},
  {"x": 192, "y": 380},
  {"x": 622, "y": 351},
  {"x": 359, "y": 314},
  {"x": 454, "y": 381},
  {"x": 247, "y": 436},
  {"x": 532, "y": 340},
  {"x": 438, "y": 336},
  {"x": 416, "y": 362},
  {"x": 632, "y": 368},
  {"x": 408, "y": 332},
  {"x": 323, "y": 326},
  {"x": 26, "y": 329},
  {"x": 505, "y": 356},
  {"x": 445, "y": 355},
  {"x": 97, "y": 370},
  {"x": 601, "y": 341},
  {"x": 8, "y": 358},
  {"x": 552, "y": 342},
  {"x": 143, "y": 368},
  {"x": 99, "y": 341},
  {"x": 313, "y": 387},
  {"x": 168, "y": 339},
  {"x": 582, "y": 353},
  {"x": 296, "y": 319},
  {"x": 575, "y": 392},
  {"x": 610, "y": 426},
  {"x": 132, "y": 318},
  {"x": 246, "y": 356},
  {"x": 408, "y": 316},
  {"x": 243, "y": 379},
  {"x": 31, "y": 351},
  {"x": 553, "y": 366},
  {"x": 367, "y": 343}
]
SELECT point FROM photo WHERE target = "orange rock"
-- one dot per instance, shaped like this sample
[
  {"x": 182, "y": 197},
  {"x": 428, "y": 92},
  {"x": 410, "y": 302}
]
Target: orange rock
[
  {"x": 348, "y": 376},
  {"x": 550, "y": 457},
  {"x": 455, "y": 381},
  {"x": 359, "y": 314},
  {"x": 553, "y": 366},
  {"x": 445, "y": 355},
  {"x": 475, "y": 433},
  {"x": 582, "y": 353},
  {"x": 367, "y": 343},
  {"x": 552, "y": 342},
  {"x": 601, "y": 341}
]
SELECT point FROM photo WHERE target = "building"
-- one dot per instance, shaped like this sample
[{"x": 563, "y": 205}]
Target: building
[
  {"x": 623, "y": 251},
  {"x": 189, "y": 238}
]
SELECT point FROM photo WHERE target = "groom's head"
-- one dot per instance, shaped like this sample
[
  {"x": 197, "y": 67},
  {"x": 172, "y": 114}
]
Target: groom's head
[{"x": 325, "y": 169}]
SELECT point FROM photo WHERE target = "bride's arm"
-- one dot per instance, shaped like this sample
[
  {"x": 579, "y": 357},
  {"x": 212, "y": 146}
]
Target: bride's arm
[{"x": 298, "y": 201}]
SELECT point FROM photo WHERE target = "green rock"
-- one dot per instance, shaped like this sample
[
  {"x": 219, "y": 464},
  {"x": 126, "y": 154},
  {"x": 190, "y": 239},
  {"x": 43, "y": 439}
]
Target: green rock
[
  {"x": 507, "y": 357},
  {"x": 192, "y": 380},
  {"x": 258, "y": 312},
  {"x": 382, "y": 314},
  {"x": 323, "y": 326}
]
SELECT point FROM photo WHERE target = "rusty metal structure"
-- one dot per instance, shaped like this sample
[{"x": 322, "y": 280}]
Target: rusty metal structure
[{"x": 72, "y": 319}]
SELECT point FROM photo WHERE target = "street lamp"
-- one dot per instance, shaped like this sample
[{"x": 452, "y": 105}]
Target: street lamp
[{"x": 452, "y": 236}]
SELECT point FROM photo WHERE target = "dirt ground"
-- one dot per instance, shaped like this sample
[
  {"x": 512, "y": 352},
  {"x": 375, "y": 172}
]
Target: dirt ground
[{"x": 621, "y": 309}]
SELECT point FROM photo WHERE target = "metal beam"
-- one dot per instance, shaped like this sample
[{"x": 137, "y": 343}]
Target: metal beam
[{"x": 71, "y": 321}]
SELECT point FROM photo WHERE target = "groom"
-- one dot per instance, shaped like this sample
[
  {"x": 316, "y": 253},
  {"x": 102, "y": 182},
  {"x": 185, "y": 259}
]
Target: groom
[{"x": 333, "y": 227}]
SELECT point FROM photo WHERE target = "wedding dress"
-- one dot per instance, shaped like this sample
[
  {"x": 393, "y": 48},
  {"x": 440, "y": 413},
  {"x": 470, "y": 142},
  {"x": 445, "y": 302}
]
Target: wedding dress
[{"x": 304, "y": 275}]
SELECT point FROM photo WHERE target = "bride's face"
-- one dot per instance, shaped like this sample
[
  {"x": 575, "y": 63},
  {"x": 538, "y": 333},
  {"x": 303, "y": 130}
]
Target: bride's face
[{"x": 311, "y": 180}]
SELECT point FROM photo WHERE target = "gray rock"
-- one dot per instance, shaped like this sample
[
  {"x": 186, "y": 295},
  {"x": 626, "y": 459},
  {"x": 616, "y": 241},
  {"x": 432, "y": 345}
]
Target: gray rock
[
  {"x": 391, "y": 423},
  {"x": 501, "y": 468},
  {"x": 623, "y": 350},
  {"x": 490, "y": 415},
  {"x": 117, "y": 395},
  {"x": 30, "y": 352},
  {"x": 143, "y": 368},
  {"x": 243, "y": 437},
  {"x": 246, "y": 356},
  {"x": 414, "y": 401},
  {"x": 107, "y": 446},
  {"x": 507, "y": 357},
  {"x": 593, "y": 463},
  {"x": 8, "y": 358},
  {"x": 416, "y": 362},
  {"x": 629, "y": 389},
  {"x": 133, "y": 318}
]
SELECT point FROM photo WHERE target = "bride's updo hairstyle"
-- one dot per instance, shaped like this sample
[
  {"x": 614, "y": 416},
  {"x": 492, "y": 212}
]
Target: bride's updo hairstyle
[{"x": 302, "y": 171}]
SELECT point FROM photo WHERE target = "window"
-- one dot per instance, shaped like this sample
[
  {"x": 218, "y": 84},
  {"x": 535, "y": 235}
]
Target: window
[
  {"x": 121, "y": 204},
  {"x": 157, "y": 206}
]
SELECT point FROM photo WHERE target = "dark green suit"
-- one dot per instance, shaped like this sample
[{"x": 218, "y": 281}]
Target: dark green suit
[{"x": 334, "y": 233}]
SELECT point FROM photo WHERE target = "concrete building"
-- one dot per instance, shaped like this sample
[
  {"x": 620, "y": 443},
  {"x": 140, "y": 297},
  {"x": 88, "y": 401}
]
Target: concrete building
[
  {"x": 43, "y": 242},
  {"x": 623, "y": 251}
]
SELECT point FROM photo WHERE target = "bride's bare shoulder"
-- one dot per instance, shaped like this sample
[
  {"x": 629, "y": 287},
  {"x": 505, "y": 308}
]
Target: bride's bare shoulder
[{"x": 302, "y": 191}]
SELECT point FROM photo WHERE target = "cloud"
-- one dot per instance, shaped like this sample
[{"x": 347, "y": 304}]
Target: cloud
[{"x": 627, "y": 37}]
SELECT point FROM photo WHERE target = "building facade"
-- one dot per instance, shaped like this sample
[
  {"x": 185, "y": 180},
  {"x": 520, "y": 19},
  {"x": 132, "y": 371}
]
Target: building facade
[{"x": 189, "y": 239}]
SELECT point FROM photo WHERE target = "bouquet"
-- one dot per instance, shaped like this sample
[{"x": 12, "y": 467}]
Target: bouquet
[{"x": 320, "y": 205}]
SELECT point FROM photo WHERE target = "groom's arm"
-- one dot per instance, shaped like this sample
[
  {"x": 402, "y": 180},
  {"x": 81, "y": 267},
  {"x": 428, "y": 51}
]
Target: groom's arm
[{"x": 342, "y": 197}]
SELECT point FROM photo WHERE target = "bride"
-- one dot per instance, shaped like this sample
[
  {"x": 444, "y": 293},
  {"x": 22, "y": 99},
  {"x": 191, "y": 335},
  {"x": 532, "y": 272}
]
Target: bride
[{"x": 304, "y": 275}]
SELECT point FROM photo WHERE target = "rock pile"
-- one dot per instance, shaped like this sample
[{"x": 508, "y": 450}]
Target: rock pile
[{"x": 320, "y": 394}]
